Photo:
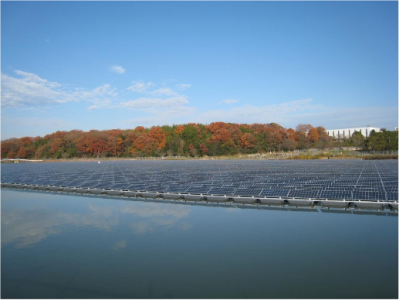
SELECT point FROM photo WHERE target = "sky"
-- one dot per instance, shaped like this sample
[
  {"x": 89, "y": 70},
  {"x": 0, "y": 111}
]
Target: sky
[{"x": 108, "y": 65}]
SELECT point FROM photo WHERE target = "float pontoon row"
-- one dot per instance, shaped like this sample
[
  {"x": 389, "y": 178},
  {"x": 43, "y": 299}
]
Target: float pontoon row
[{"x": 266, "y": 201}]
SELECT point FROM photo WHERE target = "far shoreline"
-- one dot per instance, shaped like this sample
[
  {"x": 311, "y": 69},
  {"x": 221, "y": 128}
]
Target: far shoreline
[{"x": 333, "y": 155}]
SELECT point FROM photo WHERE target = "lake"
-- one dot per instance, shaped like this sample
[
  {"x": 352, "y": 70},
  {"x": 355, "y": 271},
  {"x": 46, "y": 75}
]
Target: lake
[{"x": 69, "y": 246}]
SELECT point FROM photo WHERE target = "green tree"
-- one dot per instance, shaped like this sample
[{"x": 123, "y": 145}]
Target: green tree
[{"x": 358, "y": 139}]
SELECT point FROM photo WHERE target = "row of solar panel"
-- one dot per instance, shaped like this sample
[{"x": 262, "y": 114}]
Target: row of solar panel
[
  {"x": 329, "y": 194},
  {"x": 277, "y": 178},
  {"x": 63, "y": 181}
]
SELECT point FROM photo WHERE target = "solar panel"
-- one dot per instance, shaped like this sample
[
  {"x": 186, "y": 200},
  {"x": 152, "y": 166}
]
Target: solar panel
[
  {"x": 349, "y": 179},
  {"x": 198, "y": 189},
  {"x": 222, "y": 190},
  {"x": 247, "y": 192},
  {"x": 104, "y": 185},
  {"x": 274, "y": 193},
  {"x": 331, "y": 194}
]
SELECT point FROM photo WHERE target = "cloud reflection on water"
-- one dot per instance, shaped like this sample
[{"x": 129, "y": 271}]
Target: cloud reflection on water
[{"x": 29, "y": 218}]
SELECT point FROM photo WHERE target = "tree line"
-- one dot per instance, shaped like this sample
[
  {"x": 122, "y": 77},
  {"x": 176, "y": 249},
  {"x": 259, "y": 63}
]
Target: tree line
[{"x": 217, "y": 138}]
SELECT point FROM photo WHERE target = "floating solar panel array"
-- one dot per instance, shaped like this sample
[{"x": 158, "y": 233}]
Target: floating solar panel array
[{"x": 320, "y": 179}]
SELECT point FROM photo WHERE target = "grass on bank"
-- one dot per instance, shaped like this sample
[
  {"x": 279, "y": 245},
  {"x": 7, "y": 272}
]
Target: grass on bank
[{"x": 259, "y": 156}]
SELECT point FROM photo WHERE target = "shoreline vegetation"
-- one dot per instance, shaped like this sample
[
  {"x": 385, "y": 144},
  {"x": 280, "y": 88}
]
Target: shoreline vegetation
[
  {"x": 294, "y": 155},
  {"x": 218, "y": 140}
]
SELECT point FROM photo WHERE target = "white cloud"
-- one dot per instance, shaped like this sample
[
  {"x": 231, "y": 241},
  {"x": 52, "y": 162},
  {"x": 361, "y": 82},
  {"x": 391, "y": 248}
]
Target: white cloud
[
  {"x": 105, "y": 90},
  {"x": 139, "y": 86},
  {"x": 229, "y": 101},
  {"x": 164, "y": 91},
  {"x": 92, "y": 107},
  {"x": 292, "y": 113},
  {"x": 177, "y": 115},
  {"x": 28, "y": 90},
  {"x": 145, "y": 88},
  {"x": 155, "y": 103},
  {"x": 183, "y": 86},
  {"x": 164, "y": 105},
  {"x": 344, "y": 117},
  {"x": 279, "y": 113},
  {"x": 117, "y": 69}
]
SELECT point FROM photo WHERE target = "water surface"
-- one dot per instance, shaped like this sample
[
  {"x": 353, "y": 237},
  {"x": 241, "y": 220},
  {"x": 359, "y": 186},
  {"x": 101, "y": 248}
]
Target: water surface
[{"x": 65, "y": 246}]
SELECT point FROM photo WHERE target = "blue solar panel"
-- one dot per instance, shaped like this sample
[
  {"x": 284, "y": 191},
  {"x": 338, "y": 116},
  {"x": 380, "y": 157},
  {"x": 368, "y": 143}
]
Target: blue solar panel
[{"x": 349, "y": 179}]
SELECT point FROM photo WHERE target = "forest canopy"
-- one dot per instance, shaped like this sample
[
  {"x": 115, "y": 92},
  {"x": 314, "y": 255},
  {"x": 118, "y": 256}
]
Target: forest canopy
[{"x": 217, "y": 138}]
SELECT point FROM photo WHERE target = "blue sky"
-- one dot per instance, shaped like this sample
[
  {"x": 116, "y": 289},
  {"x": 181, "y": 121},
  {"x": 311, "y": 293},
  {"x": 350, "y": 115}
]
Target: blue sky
[{"x": 105, "y": 65}]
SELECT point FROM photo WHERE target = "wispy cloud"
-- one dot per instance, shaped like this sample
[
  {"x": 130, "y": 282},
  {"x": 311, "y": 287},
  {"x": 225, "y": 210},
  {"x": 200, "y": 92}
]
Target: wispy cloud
[
  {"x": 117, "y": 69},
  {"x": 93, "y": 107},
  {"x": 155, "y": 103},
  {"x": 105, "y": 90},
  {"x": 183, "y": 86},
  {"x": 164, "y": 91},
  {"x": 229, "y": 101},
  {"x": 149, "y": 89},
  {"x": 260, "y": 114},
  {"x": 156, "y": 100},
  {"x": 27, "y": 90},
  {"x": 139, "y": 86},
  {"x": 292, "y": 113},
  {"x": 160, "y": 104}
]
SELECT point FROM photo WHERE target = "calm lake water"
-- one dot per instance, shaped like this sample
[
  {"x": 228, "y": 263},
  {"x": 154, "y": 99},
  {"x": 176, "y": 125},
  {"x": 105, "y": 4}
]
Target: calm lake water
[{"x": 65, "y": 246}]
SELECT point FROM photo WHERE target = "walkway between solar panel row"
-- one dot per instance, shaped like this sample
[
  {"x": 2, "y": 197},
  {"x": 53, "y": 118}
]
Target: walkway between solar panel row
[{"x": 346, "y": 179}]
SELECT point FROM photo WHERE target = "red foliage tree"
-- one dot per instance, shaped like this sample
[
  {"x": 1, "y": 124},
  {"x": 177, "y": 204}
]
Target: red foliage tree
[
  {"x": 313, "y": 135},
  {"x": 248, "y": 141},
  {"x": 179, "y": 129}
]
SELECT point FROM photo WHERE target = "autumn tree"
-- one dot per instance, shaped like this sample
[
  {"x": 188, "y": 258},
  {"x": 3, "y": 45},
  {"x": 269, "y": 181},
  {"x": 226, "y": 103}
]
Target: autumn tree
[
  {"x": 179, "y": 129},
  {"x": 313, "y": 135},
  {"x": 247, "y": 141},
  {"x": 158, "y": 138},
  {"x": 217, "y": 138}
]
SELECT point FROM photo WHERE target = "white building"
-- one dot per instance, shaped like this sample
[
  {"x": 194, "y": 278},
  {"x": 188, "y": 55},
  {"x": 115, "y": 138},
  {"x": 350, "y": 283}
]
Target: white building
[{"x": 347, "y": 132}]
